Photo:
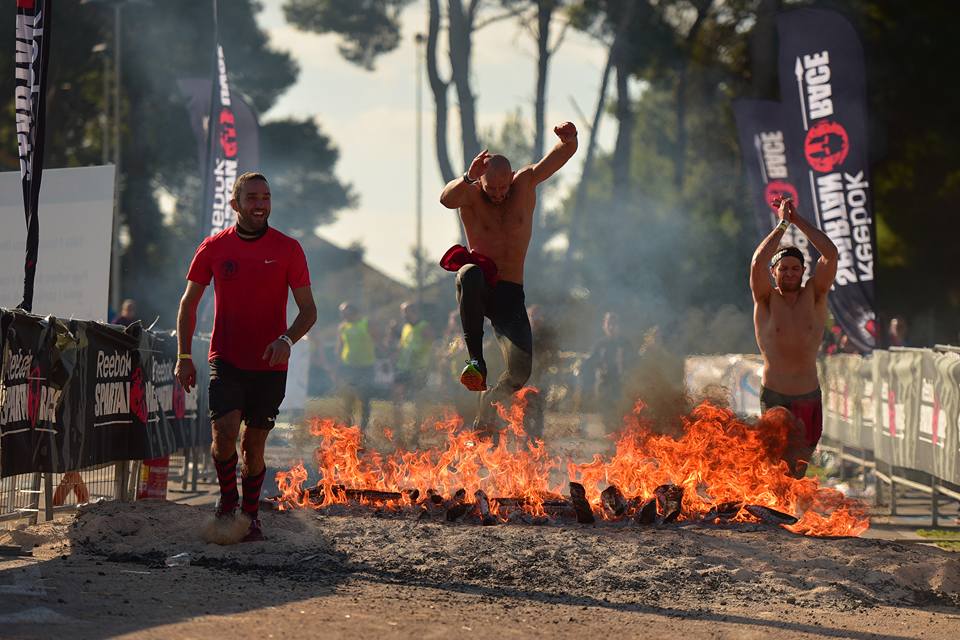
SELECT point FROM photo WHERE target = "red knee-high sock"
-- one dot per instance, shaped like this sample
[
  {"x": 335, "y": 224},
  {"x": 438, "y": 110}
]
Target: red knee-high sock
[
  {"x": 251, "y": 493},
  {"x": 227, "y": 477}
]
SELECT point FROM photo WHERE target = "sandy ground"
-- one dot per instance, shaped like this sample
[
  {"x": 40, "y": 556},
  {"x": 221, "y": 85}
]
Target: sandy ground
[{"x": 103, "y": 574}]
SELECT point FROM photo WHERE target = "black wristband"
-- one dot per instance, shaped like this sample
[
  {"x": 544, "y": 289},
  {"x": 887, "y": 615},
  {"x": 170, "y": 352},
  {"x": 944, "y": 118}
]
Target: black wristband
[{"x": 466, "y": 178}]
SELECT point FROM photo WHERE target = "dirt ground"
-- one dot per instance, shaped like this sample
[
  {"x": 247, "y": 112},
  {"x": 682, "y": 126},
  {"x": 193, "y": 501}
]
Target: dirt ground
[{"x": 104, "y": 574}]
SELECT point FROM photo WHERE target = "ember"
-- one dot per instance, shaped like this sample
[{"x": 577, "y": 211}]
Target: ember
[{"x": 720, "y": 469}]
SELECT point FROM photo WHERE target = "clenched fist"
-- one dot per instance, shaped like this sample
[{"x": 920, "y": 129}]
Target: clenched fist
[{"x": 566, "y": 131}]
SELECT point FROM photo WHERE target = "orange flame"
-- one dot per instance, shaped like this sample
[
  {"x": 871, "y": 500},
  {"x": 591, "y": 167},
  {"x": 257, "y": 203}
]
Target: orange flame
[{"x": 717, "y": 459}]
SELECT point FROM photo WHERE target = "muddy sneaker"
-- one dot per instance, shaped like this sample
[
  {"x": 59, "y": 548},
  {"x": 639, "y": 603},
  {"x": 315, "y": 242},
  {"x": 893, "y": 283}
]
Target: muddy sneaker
[
  {"x": 255, "y": 534},
  {"x": 220, "y": 513},
  {"x": 474, "y": 376}
]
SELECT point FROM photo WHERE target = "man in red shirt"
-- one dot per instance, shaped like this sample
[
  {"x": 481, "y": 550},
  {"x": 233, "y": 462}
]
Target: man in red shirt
[{"x": 251, "y": 265}]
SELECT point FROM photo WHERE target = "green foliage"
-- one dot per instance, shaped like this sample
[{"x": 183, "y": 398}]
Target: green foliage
[
  {"x": 299, "y": 161},
  {"x": 368, "y": 28},
  {"x": 163, "y": 42}
]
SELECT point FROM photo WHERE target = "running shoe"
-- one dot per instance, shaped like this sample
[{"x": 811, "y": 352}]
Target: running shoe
[
  {"x": 474, "y": 376},
  {"x": 255, "y": 534},
  {"x": 221, "y": 513}
]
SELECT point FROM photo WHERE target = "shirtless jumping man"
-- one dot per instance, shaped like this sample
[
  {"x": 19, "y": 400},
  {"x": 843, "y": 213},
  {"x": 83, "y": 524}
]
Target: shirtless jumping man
[
  {"x": 496, "y": 207},
  {"x": 789, "y": 320}
]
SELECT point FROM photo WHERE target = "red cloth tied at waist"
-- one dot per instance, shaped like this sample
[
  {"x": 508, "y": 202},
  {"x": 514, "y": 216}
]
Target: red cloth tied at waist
[{"x": 458, "y": 256}]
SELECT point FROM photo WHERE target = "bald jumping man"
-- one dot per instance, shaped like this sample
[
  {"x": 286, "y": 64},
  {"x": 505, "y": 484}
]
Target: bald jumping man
[
  {"x": 496, "y": 207},
  {"x": 788, "y": 318}
]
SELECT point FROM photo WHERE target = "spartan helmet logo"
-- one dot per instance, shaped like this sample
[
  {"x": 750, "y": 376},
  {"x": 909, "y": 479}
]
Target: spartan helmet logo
[
  {"x": 138, "y": 396},
  {"x": 229, "y": 269},
  {"x": 780, "y": 189},
  {"x": 826, "y": 146}
]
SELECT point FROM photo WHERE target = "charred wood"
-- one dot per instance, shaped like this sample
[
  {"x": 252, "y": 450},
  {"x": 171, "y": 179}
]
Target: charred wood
[
  {"x": 613, "y": 501},
  {"x": 578, "y": 496},
  {"x": 770, "y": 516}
]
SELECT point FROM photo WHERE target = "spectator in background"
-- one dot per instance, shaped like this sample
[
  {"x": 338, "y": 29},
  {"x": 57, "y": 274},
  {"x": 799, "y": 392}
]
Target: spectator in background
[
  {"x": 897, "y": 332},
  {"x": 605, "y": 368},
  {"x": 545, "y": 344},
  {"x": 412, "y": 365},
  {"x": 355, "y": 366},
  {"x": 128, "y": 313}
]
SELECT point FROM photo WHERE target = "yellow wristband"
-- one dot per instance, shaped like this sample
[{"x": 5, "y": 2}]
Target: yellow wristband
[
  {"x": 184, "y": 356},
  {"x": 783, "y": 225}
]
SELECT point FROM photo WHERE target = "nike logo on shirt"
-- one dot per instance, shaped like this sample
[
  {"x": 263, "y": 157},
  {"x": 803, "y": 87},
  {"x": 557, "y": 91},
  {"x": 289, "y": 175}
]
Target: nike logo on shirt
[{"x": 268, "y": 261}]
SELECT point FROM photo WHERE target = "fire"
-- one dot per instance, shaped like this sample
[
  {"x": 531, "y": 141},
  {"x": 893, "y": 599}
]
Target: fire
[{"x": 718, "y": 459}]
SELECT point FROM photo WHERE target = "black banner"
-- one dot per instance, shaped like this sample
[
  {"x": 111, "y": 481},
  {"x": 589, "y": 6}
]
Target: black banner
[
  {"x": 30, "y": 91},
  {"x": 231, "y": 145},
  {"x": 822, "y": 84},
  {"x": 773, "y": 168},
  {"x": 81, "y": 393}
]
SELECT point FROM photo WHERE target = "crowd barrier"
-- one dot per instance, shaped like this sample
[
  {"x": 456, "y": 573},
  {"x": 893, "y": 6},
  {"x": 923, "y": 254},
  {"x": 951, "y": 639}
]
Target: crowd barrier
[
  {"x": 81, "y": 403},
  {"x": 896, "y": 411}
]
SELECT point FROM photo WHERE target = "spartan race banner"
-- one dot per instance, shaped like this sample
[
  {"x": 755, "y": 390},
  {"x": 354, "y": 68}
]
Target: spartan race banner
[
  {"x": 197, "y": 92},
  {"x": 77, "y": 394},
  {"x": 30, "y": 99},
  {"x": 231, "y": 145},
  {"x": 822, "y": 84},
  {"x": 772, "y": 169}
]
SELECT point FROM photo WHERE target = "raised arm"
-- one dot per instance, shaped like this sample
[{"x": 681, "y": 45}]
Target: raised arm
[
  {"x": 760, "y": 284},
  {"x": 459, "y": 191},
  {"x": 558, "y": 156},
  {"x": 826, "y": 269}
]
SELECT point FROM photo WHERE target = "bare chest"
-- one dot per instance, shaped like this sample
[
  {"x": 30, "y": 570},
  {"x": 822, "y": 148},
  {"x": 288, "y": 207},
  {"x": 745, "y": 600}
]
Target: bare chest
[{"x": 799, "y": 323}]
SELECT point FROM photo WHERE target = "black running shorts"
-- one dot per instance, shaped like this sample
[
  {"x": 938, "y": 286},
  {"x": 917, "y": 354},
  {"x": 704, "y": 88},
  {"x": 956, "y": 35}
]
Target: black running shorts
[{"x": 255, "y": 394}]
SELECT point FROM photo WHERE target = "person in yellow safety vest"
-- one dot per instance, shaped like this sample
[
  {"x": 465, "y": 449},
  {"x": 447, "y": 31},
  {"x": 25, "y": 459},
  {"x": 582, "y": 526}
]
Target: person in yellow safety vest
[
  {"x": 356, "y": 359},
  {"x": 414, "y": 351}
]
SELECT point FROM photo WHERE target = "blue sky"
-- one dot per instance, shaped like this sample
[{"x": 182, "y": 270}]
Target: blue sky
[{"x": 370, "y": 115}]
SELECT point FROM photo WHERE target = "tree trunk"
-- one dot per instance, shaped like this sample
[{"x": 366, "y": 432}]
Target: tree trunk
[
  {"x": 545, "y": 10},
  {"x": 580, "y": 198},
  {"x": 680, "y": 152},
  {"x": 461, "y": 44},
  {"x": 623, "y": 150},
  {"x": 763, "y": 51},
  {"x": 439, "y": 88}
]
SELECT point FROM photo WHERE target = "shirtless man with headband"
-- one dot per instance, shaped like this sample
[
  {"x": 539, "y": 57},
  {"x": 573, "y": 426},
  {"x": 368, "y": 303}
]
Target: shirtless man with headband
[
  {"x": 788, "y": 319},
  {"x": 496, "y": 207}
]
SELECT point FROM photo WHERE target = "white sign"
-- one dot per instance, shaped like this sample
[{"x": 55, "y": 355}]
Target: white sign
[{"x": 73, "y": 261}]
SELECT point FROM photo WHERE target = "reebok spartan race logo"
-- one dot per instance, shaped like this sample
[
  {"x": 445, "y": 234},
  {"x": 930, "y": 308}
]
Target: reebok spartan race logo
[
  {"x": 840, "y": 198},
  {"x": 772, "y": 152},
  {"x": 25, "y": 400},
  {"x": 119, "y": 390}
]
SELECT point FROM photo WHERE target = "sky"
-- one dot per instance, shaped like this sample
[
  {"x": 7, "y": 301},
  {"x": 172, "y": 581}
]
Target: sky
[{"x": 371, "y": 116}]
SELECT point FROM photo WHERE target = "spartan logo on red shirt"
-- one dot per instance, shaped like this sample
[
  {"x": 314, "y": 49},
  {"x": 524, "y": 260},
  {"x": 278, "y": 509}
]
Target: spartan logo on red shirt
[
  {"x": 826, "y": 146},
  {"x": 138, "y": 396},
  {"x": 229, "y": 269},
  {"x": 780, "y": 189},
  {"x": 228, "y": 133},
  {"x": 33, "y": 396}
]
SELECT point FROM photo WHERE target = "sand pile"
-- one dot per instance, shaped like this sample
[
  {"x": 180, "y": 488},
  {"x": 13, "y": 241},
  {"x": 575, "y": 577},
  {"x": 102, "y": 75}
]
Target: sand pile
[{"x": 684, "y": 565}]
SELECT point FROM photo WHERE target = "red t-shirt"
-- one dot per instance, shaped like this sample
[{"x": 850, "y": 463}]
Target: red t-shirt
[{"x": 250, "y": 280}]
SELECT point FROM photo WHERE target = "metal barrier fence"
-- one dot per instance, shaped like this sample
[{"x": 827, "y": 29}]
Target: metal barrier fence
[
  {"x": 896, "y": 412},
  {"x": 35, "y": 497}
]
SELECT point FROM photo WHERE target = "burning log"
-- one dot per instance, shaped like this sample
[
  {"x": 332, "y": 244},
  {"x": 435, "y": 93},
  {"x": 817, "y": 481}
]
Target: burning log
[
  {"x": 459, "y": 508},
  {"x": 770, "y": 516},
  {"x": 434, "y": 497},
  {"x": 647, "y": 514},
  {"x": 613, "y": 501},
  {"x": 723, "y": 511},
  {"x": 578, "y": 496},
  {"x": 483, "y": 508},
  {"x": 669, "y": 501}
]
